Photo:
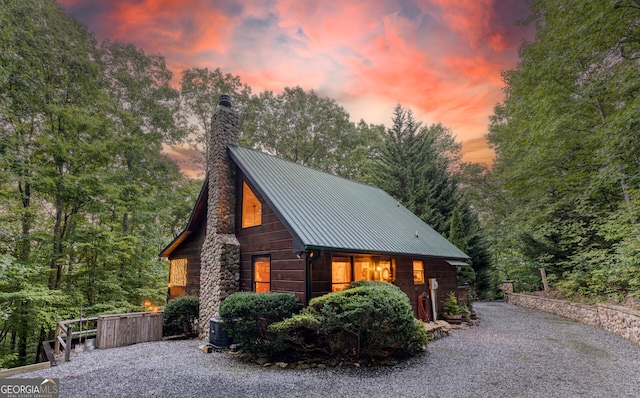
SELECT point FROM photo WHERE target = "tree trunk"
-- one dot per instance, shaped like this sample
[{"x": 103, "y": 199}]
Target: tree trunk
[{"x": 56, "y": 267}]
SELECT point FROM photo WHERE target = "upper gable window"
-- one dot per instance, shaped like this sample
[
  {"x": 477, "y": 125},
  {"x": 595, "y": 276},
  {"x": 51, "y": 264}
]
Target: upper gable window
[{"x": 251, "y": 208}]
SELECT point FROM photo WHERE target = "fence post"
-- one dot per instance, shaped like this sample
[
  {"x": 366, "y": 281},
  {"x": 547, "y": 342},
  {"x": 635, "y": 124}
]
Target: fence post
[
  {"x": 67, "y": 349},
  {"x": 57, "y": 344}
]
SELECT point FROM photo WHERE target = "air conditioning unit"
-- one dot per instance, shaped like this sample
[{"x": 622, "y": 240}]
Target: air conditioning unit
[{"x": 218, "y": 337}]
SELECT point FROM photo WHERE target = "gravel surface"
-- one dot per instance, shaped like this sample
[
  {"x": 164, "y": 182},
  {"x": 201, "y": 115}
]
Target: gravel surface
[{"x": 514, "y": 352}]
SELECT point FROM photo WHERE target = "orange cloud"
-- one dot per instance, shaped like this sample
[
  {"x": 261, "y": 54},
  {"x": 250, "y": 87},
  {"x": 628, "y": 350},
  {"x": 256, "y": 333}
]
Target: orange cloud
[{"x": 440, "y": 58}]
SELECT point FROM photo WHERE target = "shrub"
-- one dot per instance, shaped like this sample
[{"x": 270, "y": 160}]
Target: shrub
[
  {"x": 451, "y": 306},
  {"x": 247, "y": 317},
  {"x": 371, "y": 320},
  {"x": 180, "y": 316}
]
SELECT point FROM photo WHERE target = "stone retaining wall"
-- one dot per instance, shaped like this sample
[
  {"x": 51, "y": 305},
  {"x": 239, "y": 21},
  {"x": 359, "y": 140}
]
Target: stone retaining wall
[{"x": 622, "y": 321}]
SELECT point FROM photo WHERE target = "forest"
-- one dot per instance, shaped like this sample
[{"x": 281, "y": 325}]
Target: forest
[{"x": 89, "y": 197}]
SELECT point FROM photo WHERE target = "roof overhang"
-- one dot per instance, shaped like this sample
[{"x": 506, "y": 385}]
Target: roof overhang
[
  {"x": 456, "y": 262},
  {"x": 199, "y": 211}
]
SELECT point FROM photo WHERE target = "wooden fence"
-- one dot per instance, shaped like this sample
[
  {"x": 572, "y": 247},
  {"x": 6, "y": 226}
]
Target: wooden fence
[
  {"x": 125, "y": 329},
  {"x": 84, "y": 327}
]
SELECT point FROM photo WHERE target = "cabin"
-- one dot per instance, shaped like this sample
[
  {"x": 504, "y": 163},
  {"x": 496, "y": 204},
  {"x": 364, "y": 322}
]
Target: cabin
[{"x": 262, "y": 223}]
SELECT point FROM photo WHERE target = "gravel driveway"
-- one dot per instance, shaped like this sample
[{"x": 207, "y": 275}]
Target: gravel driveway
[{"x": 515, "y": 352}]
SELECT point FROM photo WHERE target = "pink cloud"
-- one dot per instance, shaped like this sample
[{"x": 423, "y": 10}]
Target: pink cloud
[{"x": 440, "y": 58}]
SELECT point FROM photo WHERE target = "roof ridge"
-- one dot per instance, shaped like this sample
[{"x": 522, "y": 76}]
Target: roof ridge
[{"x": 305, "y": 166}]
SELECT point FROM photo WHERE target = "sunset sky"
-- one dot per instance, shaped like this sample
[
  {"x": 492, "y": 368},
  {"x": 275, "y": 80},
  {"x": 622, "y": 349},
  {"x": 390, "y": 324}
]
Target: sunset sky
[{"x": 440, "y": 58}]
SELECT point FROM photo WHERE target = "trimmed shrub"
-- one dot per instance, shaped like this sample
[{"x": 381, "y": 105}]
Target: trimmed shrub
[
  {"x": 180, "y": 316},
  {"x": 368, "y": 320},
  {"x": 247, "y": 317}
]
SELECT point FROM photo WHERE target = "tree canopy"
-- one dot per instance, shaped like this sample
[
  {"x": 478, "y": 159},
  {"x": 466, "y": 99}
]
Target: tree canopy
[
  {"x": 85, "y": 190},
  {"x": 567, "y": 145}
]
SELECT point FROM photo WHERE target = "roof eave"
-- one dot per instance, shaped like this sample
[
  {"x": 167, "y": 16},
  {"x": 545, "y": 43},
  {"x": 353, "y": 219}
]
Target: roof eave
[
  {"x": 196, "y": 213},
  {"x": 381, "y": 253}
]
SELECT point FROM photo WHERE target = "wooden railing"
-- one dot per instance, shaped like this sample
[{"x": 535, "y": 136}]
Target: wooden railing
[
  {"x": 114, "y": 330},
  {"x": 65, "y": 332}
]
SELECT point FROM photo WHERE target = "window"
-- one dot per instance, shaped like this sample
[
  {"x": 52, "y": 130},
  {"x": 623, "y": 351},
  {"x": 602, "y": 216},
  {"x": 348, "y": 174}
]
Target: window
[
  {"x": 362, "y": 269},
  {"x": 178, "y": 272},
  {"x": 251, "y": 208},
  {"x": 346, "y": 269},
  {"x": 340, "y": 273},
  {"x": 261, "y": 274},
  {"x": 418, "y": 272}
]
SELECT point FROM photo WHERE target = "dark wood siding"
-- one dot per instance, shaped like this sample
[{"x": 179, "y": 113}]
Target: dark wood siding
[
  {"x": 321, "y": 275},
  {"x": 190, "y": 249},
  {"x": 444, "y": 273},
  {"x": 270, "y": 238}
]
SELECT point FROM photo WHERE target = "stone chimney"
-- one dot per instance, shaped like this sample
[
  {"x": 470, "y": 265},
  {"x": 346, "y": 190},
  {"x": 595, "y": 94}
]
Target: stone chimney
[{"x": 220, "y": 256}]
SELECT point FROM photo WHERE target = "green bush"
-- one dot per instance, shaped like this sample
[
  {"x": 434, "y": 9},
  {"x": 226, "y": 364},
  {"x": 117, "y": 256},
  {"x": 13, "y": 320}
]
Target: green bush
[
  {"x": 247, "y": 317},
  {"x": 451, "y": 306},
  {"x": 368, "y": 320},
  {"x": 180, "y": 316}
]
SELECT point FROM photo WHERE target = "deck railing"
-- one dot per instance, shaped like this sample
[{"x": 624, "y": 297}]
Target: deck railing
[
  {"x": 85, "y": 327},
  {"x": 110, "y": 331}
]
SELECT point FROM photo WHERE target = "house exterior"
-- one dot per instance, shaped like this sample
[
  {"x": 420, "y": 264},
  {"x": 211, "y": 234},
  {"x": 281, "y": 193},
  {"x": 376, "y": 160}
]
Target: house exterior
[{"x": 266, "y": 224}]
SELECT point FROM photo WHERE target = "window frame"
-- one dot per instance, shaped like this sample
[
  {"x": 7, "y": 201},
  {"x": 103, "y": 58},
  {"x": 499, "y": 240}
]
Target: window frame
[
  {"x": 373, "y": 273},
  {"x": 246, "y": 187},
  {"x": 420, "y": 272},
  {"x": 173, "y": 264},
  {"x": 254, "y": 282},
  {"x": 349, "y": 271}
]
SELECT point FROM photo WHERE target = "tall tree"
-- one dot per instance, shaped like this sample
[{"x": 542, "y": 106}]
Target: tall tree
[
  {"x": 85, "y": 191},
  {"x": 566, "y": 140},
  {"x": 420, "y": 166},
  {"x": 308, "y": 129},
  {"x": 200, "y": 89},
  {"x": 413, "y": 166}
]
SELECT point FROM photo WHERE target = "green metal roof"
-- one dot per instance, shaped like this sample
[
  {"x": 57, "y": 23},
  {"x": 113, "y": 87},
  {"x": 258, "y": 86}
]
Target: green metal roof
[{"x": 323, "y": 211}]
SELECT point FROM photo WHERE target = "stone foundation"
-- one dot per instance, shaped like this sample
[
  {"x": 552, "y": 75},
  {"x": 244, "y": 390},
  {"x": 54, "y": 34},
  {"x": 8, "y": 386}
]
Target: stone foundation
[
  {"x": 219, "y": 278},
  {"x": 621, "y": 321}
]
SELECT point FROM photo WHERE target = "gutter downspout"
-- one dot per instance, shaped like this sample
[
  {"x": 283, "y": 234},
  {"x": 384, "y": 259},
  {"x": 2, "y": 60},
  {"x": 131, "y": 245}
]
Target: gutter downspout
[{"x": 310, "y": 259}]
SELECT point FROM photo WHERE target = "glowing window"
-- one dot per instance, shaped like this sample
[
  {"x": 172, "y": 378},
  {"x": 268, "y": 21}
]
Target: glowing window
[
  {"x": 262, "y": 274},
  {"x": 340, "y": 273},
  {"x": 362, "y": 269},
  {"x": 418, "y": 272},
  {"x": 384, "y": 271},
  {"x": 178, "y": 272},
  {"x": 251, "y": 208}
]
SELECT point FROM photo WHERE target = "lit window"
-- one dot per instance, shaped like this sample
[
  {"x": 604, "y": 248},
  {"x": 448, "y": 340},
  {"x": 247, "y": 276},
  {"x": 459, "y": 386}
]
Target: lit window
[
  {"x": 362, "y": 270},
  {"x": 340, "y": 273},
  {"x": 384, "y": 271},
  {"x": 418, "y": 272},
  {"x": 262, "y": 274},
  {"x": 178, "y": 272},
  {"x": 251, "y": 208}
]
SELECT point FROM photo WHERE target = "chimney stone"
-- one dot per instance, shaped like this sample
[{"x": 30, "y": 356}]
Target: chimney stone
[{"x": 220, "y": 256}]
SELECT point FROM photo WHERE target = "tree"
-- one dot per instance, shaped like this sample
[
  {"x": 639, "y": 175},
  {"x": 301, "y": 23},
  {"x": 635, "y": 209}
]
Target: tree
[
  {"x": 85, "y": 191},
  {"x": 566, "y": 140},
  {"x": 420, "y": 166},
  {"x": 200, "y": 91},
  {"x": 310, "y": 130},
  {"x": 414, "y": 167}
]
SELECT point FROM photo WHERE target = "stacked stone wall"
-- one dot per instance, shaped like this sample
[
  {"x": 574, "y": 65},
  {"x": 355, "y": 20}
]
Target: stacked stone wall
[
  {"x": 621, "y": 321},
  {"x": 220, "y": 256}
]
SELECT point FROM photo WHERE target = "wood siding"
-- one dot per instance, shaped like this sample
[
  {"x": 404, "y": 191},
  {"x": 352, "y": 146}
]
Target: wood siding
[
  {"x": 444, "y": 273},
  {"x": 190, "y": 249},
  {"x": 273, "y": 239}
]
